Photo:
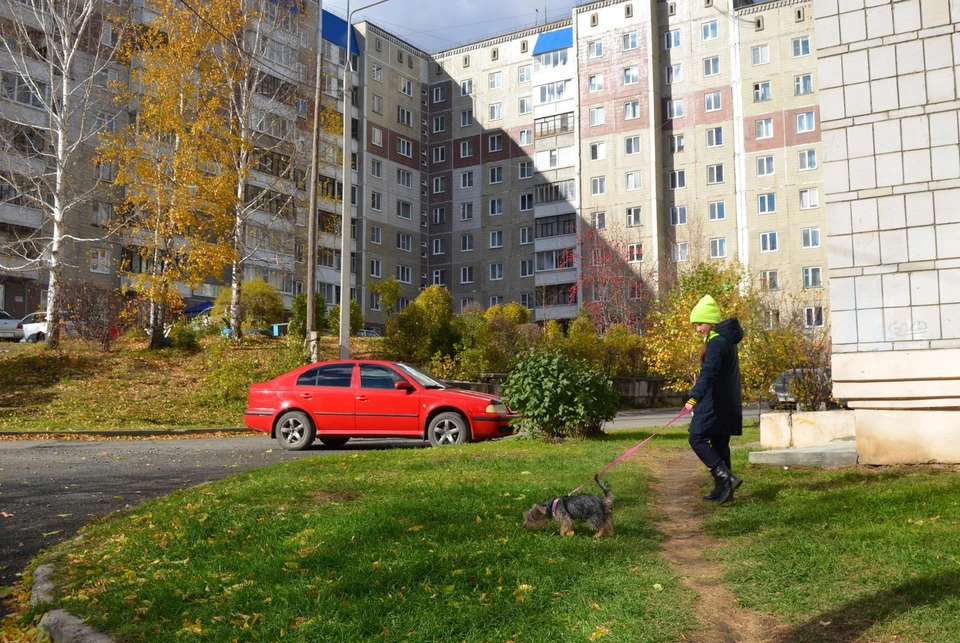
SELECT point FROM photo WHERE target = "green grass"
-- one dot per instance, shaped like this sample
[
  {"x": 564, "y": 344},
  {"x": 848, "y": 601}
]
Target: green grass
[
  {"x": 393, "y": 545},
  {"x": 871, "y": 552}
]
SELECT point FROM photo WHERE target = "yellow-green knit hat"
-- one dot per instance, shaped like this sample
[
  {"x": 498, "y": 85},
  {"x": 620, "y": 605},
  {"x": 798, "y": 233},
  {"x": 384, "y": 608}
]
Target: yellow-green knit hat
[{"x": 706, "y": 311}]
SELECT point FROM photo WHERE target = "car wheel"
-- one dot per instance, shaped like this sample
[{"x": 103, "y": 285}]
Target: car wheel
[
  {"x": 39, "y": 337},
  {"x": 334, "y": 442},
  {"x": 448, "y": 428},
  {"x": 295, "y": 432}
]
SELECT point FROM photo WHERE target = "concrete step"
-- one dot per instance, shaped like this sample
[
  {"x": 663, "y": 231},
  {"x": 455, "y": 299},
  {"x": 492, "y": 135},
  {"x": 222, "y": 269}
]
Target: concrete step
[{"x": 833, "y": 455}]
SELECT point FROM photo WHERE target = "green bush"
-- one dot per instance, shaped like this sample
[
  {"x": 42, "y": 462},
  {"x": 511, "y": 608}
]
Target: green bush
[
  {"x": 356, "y": 319},
  {"x": 260, "y": 305},
  {"x": 298, "y": 322},
  {"x": 557, "y": 396},
  {"x": 231, "y": 368},
  {"x": 183, "y": 336}
]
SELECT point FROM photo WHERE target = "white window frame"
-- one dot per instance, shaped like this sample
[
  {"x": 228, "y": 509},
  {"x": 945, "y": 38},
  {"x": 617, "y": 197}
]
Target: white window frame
[
  {"x": 766, "y": 166},
  {"x": 598, "y": 151},
  {"x": 712, "y": 102},
  {"x": 633, "y": 180},
  {"x": 675, "y": 108},
  {"x": 812, "y": 277},
  {"x": 763, "y": 128},
  {"x": 466, "y": 275},
  {"x": 495, "y": 80},
  {"x": 803, "y": 160},
  {"x": 598, "y": 186},
  {"x": 716, "y": 211},
  {"x": 806, "y": 122},
  {"x": 718, "y": 248},
  {"x": 678, "y": 179},
  {"x": 711, "y": 66},
  {"x": 631, "y": 145},
  {"x": 496, "y": 239},
  {"x": 678, "y": 215},
  {"x": 810, "y": 237},
  {"x": 715, "y": 174},
  {"x": 760, "y": 55},
  {"x": 715, "y": 137},
  {"x": 769, "y": 242},
  {"x": 801, "y": 46},
  {"x": 709, "y": 30},
  {"x": 634, "y": 216},
  {"x": 765, "y": 201},
  {"x": 809, "y": 198}
]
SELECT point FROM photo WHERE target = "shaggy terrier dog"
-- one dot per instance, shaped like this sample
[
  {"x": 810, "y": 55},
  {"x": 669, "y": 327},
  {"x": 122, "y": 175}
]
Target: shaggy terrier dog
[{"x": 593, "y": 510}]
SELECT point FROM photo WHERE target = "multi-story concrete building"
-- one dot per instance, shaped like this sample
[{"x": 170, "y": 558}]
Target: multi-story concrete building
[{"x": 557, "y": 164}]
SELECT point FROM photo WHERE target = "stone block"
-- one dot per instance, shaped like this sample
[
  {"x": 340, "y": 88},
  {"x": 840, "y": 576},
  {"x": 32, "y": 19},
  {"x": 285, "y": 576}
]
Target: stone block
[
  {"x": 940, "y": 85},
  {"x": 886, "y": 137},
  {"x": 883, "y": 62},
  {"x": 916, "y": 166},
  {"x": 885, "y": 94},
  {"x": 835, "y": 144},
  {"x": 910, "y": 57},
  {"x": 863, "y": 174},
  {"x": 775, "y": 430},
  {"x": 919, "y": 206},
  {"x": 950, "y": 286},
  {"x": 838, "y": 218},
  {"x": 863, "y": 215},
  {"x": 938, "y": 52},
  {"x": 947, "y": 206},
  {"x": 893, "y": 246},
  {"x": 853, "y": 27},
  {"x": 924, "y": 288},
  {"x": 870, "y": 325},
  {"x": 830, "y": 72},
  {"x": 855, "y": 67},
  {"x": 849, "y": 5},
  {"x": 869, "y": 291},
  {"x": 860, "y": 141},
  {"x": 897, "y": 324},
  {"x": 934, "y": 13},
  {"x": 835, "y": 177},
  {"x": 879, "y": 21},
  {"x": 823, "y": 8},
  {"x": 890, "y": 212},
  {"x": 913, "y": 89},
  {"x": 896, "y": 286},
  {"x": 948, "y": 241},
  {"x": 815, "y": 428},
  {"x": 840, "y": 251},
  {"x": 901, "y": 436},
  {"x": 915, "y": 132},
  {"x": 950, "y": 321},
  {"x": 921, "y": 243},
  {"x": 843, "y": 326},
  {"x": 836, "y": 455},
  {"x": 926, "y": 322},
  {"x": 889, "y": 169},
  {"x": 906, "y": 16},
  {"x": 827, "y": 31},
  {"x": 943, "y": 128},
  {"x": 842, "y": 296},
  {"x": 945, "y": 164},
  {"x": 866, "y": 248},
  {"x": 856, "y": 99},
  {"x": 831, "y": 104}
]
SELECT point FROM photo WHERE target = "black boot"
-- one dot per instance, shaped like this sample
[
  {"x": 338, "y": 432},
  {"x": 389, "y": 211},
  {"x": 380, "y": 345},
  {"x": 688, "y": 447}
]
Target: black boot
[
  {"x": 715, "y": 494},
  {"x": 726, "y": 482}
]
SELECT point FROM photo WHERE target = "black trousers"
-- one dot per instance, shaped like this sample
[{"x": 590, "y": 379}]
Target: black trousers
[{"x": 711, "y": 449}]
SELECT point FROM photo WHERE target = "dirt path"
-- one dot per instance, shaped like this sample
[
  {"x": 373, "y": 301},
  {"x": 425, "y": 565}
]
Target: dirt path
[{"x": 686, "y": 547}]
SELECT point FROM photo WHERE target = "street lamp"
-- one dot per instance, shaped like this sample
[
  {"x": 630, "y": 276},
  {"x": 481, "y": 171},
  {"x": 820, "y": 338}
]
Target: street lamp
[{"x": 347, "y": 191}]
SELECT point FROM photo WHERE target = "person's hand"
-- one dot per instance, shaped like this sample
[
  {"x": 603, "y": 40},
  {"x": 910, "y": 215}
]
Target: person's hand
[{"x": 687, "y": 407}]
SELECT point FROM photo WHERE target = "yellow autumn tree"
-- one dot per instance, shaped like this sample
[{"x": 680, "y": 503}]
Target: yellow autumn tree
[{"x": 172, "y": 158}]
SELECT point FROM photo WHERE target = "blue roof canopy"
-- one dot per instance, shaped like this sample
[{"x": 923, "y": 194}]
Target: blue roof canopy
[
  {"x": 554, "y": 40},
  {"x": 335, "y": 31}
]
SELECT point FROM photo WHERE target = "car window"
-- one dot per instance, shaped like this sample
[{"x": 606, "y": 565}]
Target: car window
[
  {"x": 5, "y": 315},
  {"x": 373, "y": 376},
  {"x": 339, "y": 375}
]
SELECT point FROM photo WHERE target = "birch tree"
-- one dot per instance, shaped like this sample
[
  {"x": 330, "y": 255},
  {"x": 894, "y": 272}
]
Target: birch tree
[{"x": 55, "y": 55}]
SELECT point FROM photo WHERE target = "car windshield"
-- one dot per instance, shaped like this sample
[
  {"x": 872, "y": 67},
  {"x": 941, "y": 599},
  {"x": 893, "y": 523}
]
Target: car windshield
[
  {"x": 5, "y": 315},
  {"x": 423, "y": 379}
]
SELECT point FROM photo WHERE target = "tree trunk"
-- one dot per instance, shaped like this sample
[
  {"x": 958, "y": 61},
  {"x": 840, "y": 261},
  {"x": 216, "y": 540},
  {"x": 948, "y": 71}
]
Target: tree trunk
[
  {"x": 157, "y": 314},
  {"x": 53, "y": 288},
  {"x": 236, "y": 286}
]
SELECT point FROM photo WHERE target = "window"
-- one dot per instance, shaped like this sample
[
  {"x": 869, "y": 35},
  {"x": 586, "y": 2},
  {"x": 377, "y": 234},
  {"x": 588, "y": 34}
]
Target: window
[
  {"x": 404, "y": 210},
  {"x": 809, "y": 199},
  {"x": 675, "y": 108},
  {"x": 680, "y": 252},
  {"x": 718, "y": 248},
  {"x": 554, "y": 91},
  {"x": 496, "y": 206},
  {"x": 377, "y": 135},
  {"x": 801, "y": 46},
  {"x": 524, "y": 74},
  {"x": 466, "y": 118},
  {"x": 763, "y": 128},
  {"x": 404, "y": 242},
  {"x": 338, "y": 375},
  {"x": 803, "y": 85},
  {"x": 715, "y": 174},
  {"x": 376, "y": 234},
  {"x": 805, "y": 122},
  {"x": 711, "y": 66},
  {"x": 376, "y": 201},
  {"x": 812, "y": 277},
  {"x": 404, "y": 116},
  {"x": 678, "y": 215},
  {"x": 375, "y": 268},
  {"x": 466, "y": 275},
  {"x": 466, "y": 179},
  {"x": 439, "y": 123},
  {"x": 598, "y": 151},
  {"x": 595, "y": 49},
  {"x": 377, "y": 73},
  {"x": 466, "y": 243},
  {"x": 676, "y": 144},
  {"x": 635, "y": 252},
  {"x": 717, "y": 210},
  {"x": 598, "y": 220},
  {"x": 496, "y": 271},
  {"x": 439, "y": 277},
  {"x": 404, "y": 178},
  {"x": 404, "y": 274},
  {"x": 764, "y": 165},
  {"x": 439, "y": 184},
  {"x": 671, "y": 39},
  {"x": 715, "y": 137},
  {"x": 673, "y": 74},
  {"x": 630, "y": 41},
  {"x": 810, "y": 238},
  {"x": 496, "y": 112},
  {"x": 496, "y": 239},
  {"x": 404, "y": 147},
  {"x": 767, "y": 203},
  {"x": 466, "y": 87},
  {"x": 439, "y": 154},
  {"x": 466, "y": 149},
  {"x": 596, "y": 82},
  {"x": 631, "y": 75},
  {"x": 710, "y": 30},
  {"x": 678, "y": 179},
  {"x": 761, "y": 91},
  {"x": 439, "y": 215},
  {"x": 632, "y": 145},
  {"x": 631, "y": 110},
  {"x": 813, "y": 316},
  {"x": 807, "y": 160},
  {"x": 598, "y": 185},
  {"x": 634, "y": 217},
  {"x": 525, "y": 169},
  {"x": 102, "y": 213},
  {"x": 466, "y": 211},
  {"x": 526, "y": 137},
  {"x": 768, "y": 242},
  {"x": 439, "y": 94},
  {"x": 526, "y": 202},
  {"x": 770, "y": 280},
  {"x": 550, "y": 60},
  {"x": 100, "y": 261},
  {"x": 105, "y": 171},
  {"x": 526, "y": 267},
  {"x": 406, "y": 86},
  {"x": 596, "y": 116},
  {"x": 108, "y": 36},
  {"x": 712, "y": 101},
  {"x": 526, "y": 105},
  {"x": 495, "y": 80},
  {"x": 376, "y": 168},
  {"x": 634, "y": 181}
]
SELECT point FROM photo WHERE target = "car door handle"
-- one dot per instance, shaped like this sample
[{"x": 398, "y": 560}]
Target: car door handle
[
  {"x": 306, "y": 396},
  {"x": 361, "y": 398}
]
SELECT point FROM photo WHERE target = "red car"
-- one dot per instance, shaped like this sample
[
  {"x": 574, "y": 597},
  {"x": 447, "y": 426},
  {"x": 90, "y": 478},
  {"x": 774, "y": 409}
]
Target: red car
[{"x": 336, "y": 401}]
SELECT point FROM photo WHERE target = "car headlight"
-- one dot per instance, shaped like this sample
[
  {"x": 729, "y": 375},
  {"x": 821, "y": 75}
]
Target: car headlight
[{"x": 498, "y": 408}]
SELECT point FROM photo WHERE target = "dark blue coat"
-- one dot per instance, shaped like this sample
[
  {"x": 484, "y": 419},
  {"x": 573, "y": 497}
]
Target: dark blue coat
[{"x": 719, "y": 408}]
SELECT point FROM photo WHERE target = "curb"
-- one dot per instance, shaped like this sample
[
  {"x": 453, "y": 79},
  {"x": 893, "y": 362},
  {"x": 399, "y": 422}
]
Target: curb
[
  {"x": 61, "y": 625},
  {"x": 129, "y": 432}
]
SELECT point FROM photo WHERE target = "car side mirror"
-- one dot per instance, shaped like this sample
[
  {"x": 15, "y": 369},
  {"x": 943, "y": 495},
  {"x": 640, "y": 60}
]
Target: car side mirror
[{"x": 403, "y": 386}]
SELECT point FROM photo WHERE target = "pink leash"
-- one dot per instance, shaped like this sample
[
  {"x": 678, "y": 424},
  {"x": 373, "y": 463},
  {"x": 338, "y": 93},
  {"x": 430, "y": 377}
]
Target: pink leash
[{"x": 630, "y": 451}]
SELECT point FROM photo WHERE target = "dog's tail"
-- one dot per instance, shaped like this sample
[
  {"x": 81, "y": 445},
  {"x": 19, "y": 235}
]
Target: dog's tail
[{"x": 607, "y": 494}]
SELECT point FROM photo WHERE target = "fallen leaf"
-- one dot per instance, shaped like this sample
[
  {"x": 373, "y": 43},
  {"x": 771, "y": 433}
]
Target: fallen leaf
[{"x": 49, "y": 533}]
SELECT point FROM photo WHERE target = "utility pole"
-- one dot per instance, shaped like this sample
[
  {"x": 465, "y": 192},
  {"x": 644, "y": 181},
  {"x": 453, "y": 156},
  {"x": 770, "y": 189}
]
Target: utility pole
[{"x": 312, "y": 338}]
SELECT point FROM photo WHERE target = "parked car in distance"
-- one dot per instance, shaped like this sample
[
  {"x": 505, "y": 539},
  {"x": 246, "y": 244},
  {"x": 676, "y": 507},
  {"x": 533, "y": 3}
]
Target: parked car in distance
[
  {"x": 368, "y": 332},
  {"x": 34, "y": 327},
  {"x": 784, "y": 395},
  {"x": 338, "y": 400},
  {"x": 9, "y": 327}
]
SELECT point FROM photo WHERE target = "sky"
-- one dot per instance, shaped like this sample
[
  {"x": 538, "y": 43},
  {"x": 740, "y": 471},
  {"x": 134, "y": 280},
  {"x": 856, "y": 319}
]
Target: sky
[{"x": 435, "y": 25}]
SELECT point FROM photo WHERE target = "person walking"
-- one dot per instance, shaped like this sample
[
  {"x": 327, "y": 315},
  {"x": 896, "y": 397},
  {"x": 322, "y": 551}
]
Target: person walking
[{"x": 716, "y": 399}]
